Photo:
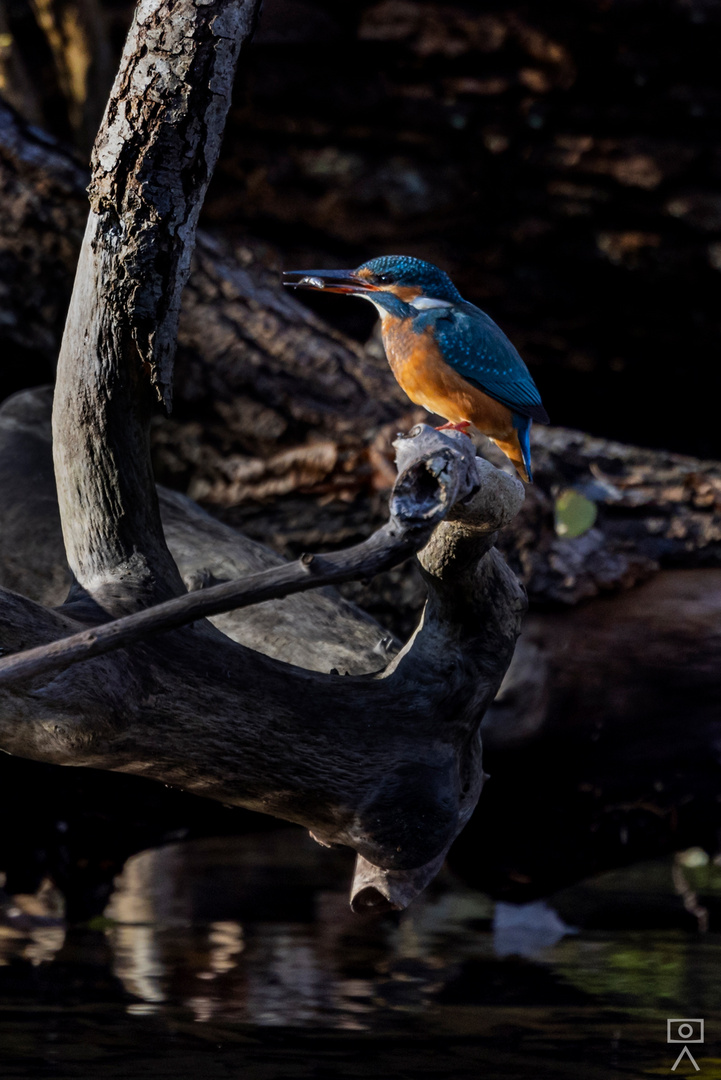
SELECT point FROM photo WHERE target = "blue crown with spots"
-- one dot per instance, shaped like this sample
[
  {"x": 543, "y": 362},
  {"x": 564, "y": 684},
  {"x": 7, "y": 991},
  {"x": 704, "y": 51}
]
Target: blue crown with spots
[{"x": 405, "y": 270}]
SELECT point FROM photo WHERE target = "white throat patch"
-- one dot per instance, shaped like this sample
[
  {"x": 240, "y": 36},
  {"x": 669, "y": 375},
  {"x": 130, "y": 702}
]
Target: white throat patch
[{"x": 422, "y": 303}]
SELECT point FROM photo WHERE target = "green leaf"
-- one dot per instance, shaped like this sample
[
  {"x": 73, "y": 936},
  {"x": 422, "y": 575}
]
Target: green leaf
[{"x": 575, "y": 514}]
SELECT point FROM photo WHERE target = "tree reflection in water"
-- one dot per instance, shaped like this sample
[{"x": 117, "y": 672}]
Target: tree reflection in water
[{"x": 233, "y": 938}]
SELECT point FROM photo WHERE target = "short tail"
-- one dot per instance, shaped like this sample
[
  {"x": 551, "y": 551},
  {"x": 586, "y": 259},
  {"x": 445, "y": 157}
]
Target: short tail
[{"x": 522, "y": 424}]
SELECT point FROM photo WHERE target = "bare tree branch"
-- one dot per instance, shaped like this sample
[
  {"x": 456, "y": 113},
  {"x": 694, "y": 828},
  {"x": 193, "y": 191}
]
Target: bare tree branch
[
  {"x": 152, "y": 162},
  {"x": 446, "y": 473}
]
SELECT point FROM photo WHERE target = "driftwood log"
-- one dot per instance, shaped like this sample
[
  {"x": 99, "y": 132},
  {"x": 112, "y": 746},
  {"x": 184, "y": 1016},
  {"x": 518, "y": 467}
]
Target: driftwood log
[
  {"x": 600, "y": 671},
  {"x": 599, "y": 744},
  {"x": 388, "y": 763}
]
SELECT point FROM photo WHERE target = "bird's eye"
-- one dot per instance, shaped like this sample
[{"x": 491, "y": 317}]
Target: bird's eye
[{"x": 384, "y": 279}]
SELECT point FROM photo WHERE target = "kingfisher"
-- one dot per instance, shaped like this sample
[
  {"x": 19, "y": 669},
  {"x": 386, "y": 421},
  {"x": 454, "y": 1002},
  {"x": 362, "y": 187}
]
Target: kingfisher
[{"x": 446, "y": 354}]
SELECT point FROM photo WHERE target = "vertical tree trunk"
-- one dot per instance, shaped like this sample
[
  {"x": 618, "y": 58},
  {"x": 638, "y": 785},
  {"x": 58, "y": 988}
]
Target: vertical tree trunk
[{"x": 152, "y": 162}]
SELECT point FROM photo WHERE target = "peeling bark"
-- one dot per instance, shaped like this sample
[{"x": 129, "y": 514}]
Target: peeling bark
[
  {"x": 266, "y": 377},
  {"x": 152, "y": 162}
]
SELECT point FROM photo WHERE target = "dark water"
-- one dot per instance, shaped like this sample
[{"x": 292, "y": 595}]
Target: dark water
[{"x": 241, "y": 957}]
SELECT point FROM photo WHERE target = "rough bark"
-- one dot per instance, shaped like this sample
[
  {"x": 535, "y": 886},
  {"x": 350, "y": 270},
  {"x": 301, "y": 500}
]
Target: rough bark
[
  {"x": 152, "y": 162},
  {"x": 269, "y": 400},
  {"x": 243, "y": 348},
  {"x": 315, "y": 631},
  {"x": 42, "y": 187},
  {"x": 590, "y": 762},
  {"x": 558, "y": 160},
  {"x": 651, "y": 510}
]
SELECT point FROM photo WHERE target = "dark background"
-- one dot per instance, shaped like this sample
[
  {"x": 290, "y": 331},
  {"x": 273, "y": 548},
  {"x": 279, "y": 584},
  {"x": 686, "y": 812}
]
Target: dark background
[{"x": 560, "y": 160}]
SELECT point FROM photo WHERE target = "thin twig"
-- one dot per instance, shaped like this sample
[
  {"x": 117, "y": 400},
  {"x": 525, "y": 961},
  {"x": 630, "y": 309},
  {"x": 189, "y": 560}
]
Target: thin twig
[
  {"x": 381, "y": 551},
  {"x": 440, "y": 472}
]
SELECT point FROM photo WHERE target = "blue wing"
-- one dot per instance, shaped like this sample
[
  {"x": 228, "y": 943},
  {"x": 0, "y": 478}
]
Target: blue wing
[{"x": 478, "y": 350}]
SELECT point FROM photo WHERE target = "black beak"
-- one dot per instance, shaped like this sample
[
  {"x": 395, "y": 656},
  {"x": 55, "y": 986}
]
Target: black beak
[{"x": 337, "y": 281}]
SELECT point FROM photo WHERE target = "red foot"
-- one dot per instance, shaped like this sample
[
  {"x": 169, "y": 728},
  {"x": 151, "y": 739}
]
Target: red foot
[{"x": 463, "y": 425}]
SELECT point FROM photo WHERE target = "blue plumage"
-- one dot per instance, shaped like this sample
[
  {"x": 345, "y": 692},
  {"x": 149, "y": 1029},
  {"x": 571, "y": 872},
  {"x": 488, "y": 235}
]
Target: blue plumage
[
  {"x": 522, "y": 424},
  {"x": 405, "y": 269},
  {"x": 477, "y": 349}
]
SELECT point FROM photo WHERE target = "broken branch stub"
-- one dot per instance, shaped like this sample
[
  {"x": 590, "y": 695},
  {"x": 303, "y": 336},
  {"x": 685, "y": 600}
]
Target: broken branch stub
[{"x": 471, "y": 589}]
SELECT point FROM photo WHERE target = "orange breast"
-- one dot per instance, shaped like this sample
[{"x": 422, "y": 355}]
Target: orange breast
[{"x": 429, "y": 381}]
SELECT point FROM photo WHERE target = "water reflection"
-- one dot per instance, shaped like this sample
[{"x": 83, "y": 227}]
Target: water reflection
[
  {"x": 327, "y": 966},
  {"x": 36, "y": 944},
  {"x": 232, "y": 943},
  {"x": 137, "y": 962},
  {"x": 174, "y": 943},
  {"x": 31, "y": 927},
  {"x": 527, "y": 929}
]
